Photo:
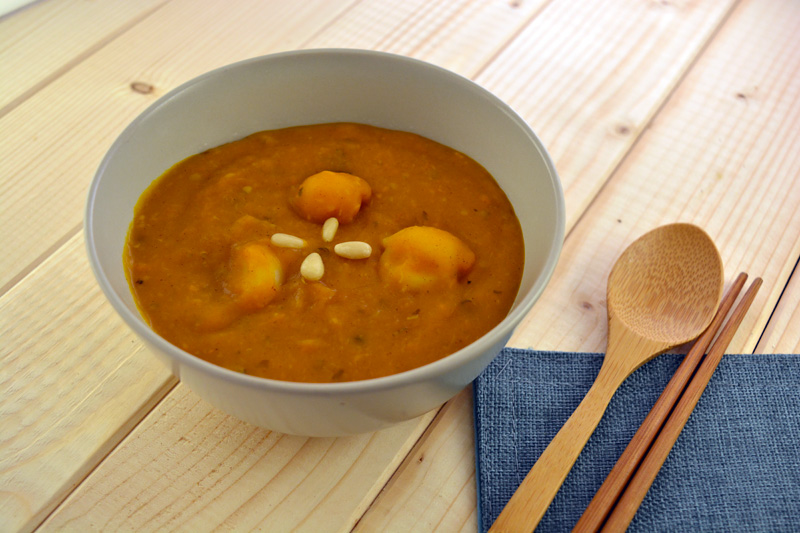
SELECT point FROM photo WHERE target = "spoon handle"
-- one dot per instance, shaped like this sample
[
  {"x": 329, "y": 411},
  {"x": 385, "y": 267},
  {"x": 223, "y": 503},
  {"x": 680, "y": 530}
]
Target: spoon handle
[
  {"x": 532, "y": 498},
  {"x": 607, "y": 495},
  {"x": 630, "y": 500}
]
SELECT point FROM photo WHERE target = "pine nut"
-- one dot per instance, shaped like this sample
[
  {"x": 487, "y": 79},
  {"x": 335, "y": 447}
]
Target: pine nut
[
  {"x": 353, "y": 250},
  {"x": 312, "y": 267},
  {"x": 282, "y": 240},
  {"x": 329, "y": 229}
]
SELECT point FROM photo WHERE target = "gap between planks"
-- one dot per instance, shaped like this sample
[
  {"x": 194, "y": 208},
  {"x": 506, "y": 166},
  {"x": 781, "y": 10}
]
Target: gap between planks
[
  {"x": 30, "y": 267},
  {"x": 160, "y": 397},
  {"x": 654, "y": 114},
  {"x": 412, "y": 452}
]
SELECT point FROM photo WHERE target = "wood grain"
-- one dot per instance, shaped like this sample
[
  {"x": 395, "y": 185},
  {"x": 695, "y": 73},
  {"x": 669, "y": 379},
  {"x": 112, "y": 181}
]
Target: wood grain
[
  {"x": 46, "y": 39},
  {"x": 590, "y": 77},
  {"x": 782, "y": 334},
  {"x": 210, "y": 471},
  {"x": 754, "y": 222},
  {"x": 460, "y": 36},
  {"x": 433, "y": 479},
  {"x": 60, "y": 336}
]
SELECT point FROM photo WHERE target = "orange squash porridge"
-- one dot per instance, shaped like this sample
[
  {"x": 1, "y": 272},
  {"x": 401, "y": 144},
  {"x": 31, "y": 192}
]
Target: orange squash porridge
[{"x": 324, "y": 253}]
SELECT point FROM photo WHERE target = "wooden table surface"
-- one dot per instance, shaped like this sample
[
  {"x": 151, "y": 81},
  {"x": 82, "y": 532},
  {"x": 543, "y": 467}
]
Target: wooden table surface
[{"x": 654, "y": 112}]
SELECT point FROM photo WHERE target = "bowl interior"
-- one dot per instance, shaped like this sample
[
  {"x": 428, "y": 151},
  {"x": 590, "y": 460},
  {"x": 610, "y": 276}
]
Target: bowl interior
[{"x": 312, "y": 87}]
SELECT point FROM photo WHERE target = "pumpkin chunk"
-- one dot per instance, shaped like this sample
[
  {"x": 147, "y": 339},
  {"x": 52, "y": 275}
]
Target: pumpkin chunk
[
  {"x": 255, "y": 275},
  {"x": 331, "y": 194},
  {"x": 423, "y": 257}
]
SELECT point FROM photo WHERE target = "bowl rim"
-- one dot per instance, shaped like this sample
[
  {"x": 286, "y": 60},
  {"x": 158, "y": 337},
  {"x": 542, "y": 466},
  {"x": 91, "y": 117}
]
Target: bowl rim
[{"x": 416, "y": 375}]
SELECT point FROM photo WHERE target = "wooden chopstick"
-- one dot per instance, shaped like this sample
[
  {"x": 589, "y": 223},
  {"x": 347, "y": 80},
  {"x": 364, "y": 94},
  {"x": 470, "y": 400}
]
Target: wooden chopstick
[
  {"x": 629, "y": 502},
  {"x": 611, "y": 489},
  {"x": 611, "y": 492}
]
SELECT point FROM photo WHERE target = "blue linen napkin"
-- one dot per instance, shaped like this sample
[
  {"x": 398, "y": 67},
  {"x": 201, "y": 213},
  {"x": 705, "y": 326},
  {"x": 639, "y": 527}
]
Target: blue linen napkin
[{"x": 735, "y": 467}]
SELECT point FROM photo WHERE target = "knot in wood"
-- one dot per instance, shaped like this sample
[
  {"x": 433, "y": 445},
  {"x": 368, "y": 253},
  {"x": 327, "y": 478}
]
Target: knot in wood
[
  {"x": 142, "y": 87},
  {"x": 622, "y": 129}
]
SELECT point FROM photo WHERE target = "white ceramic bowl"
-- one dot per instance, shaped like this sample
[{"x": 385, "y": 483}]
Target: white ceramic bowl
[{"x": 311, "y": 87}]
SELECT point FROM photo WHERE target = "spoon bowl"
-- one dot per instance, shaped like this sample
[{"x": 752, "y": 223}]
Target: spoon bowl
[
  {"x": 667, "y": 285},
  {"x": 663, "y": 291}
]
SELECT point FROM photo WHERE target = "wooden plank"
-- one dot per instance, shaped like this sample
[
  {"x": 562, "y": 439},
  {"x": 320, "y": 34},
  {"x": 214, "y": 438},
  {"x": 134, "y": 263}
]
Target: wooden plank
[
  {"x": 46, "y": 39},
  {"x": 444, "y": 454},
  {"x": 460, "y": 36},
  {"x": 588, "y": 77},
  {"x": 733, "y": 97},
  {"x": 782, "y": 334},
  {"x": 210, "y": 471},
  {"x": 10, "y": 7},
  {"x": 46, "y": 165},
  {"x": 75, "y": 381}
]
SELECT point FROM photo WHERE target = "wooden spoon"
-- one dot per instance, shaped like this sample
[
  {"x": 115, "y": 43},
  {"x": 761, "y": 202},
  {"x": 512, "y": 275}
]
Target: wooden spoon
[{"x": 662, "y": 292}]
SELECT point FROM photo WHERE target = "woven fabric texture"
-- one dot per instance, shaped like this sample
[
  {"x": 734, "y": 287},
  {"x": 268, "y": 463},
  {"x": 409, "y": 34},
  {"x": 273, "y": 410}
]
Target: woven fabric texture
[{"x": 735, "y": 467}]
